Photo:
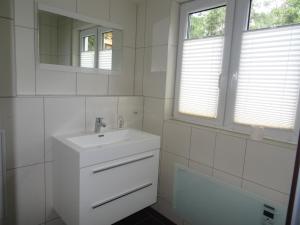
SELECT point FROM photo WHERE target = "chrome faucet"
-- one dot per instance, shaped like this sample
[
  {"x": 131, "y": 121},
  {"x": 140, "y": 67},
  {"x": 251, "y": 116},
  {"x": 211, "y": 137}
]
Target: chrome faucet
[{"x": 99, "y": 124}]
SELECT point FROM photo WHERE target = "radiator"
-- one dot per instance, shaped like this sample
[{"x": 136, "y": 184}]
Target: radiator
[{"x": 203, "y": 200}]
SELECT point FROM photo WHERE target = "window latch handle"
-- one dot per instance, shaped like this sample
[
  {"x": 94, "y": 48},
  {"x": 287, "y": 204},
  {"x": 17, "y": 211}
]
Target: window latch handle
[
  {"x": 220, "y": 81},
  {"x": 234, "y": 79}
]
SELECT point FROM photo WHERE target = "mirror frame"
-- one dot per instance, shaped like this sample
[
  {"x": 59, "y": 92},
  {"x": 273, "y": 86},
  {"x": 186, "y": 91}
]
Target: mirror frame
[{"x": 73, "y": 15}]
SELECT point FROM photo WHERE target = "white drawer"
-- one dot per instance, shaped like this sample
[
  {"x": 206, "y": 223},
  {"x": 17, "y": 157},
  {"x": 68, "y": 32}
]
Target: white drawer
[
  {"x": 102, "y": 185},
  {"x": 116, "y": 210}
]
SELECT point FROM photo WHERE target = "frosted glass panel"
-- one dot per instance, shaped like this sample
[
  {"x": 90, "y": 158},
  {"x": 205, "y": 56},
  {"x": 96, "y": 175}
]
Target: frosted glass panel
[{"x": 202, "y": 200}]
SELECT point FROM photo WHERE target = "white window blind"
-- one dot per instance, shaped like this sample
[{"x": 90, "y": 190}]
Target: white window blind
[
  {"x": 105, "y": 59},
  {"x": 268, "y": 78},
  {"x": 87, "y": 59},
  {"x": 200, "y": 73}
]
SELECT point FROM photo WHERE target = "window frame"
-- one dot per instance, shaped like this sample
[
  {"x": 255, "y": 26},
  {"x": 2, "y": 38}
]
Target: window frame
[
  {"x": 242, "y": 16},
  {"x": 100, "y": 44},
  {"x": 186, "y": 10},
  {"x": 236, "y": 22},
  {"x": 86, "y": 33}
]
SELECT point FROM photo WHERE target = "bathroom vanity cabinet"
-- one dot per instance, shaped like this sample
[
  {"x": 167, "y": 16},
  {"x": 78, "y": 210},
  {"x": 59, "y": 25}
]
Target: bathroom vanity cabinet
[{"x": 101, "y": 179}]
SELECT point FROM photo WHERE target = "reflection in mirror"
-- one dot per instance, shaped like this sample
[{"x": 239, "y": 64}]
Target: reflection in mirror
[{"x": 70, "y": 42}]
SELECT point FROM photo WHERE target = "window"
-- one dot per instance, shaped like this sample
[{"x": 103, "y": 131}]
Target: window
[
  {"x": 105, "y": 53},
  {"x": 203, "y": 62},
  {"x": 96, "y": 40},
  {"x": 88, "y": 48},
  {"x": 262, "y": 81}
]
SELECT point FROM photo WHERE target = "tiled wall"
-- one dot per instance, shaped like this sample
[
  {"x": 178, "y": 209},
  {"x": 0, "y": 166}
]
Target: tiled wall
[
  {"x": 264, "y": 167},
  {"x": 156, "y": 59},
  {"x": 36, "y": 104},
  {"x": 30, "y": 122}
]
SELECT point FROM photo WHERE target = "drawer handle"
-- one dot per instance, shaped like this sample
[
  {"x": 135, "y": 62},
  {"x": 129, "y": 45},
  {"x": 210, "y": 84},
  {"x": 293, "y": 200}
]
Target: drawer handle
[
  {"x": 121, "y": 195},
  {"x": 122, "y": 164}
]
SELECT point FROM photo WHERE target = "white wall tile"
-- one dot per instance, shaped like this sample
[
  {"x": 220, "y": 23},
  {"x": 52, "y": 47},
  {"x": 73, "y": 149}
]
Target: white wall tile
[
  {"x": 6, "y": 8},
  {"x": 69, "y": 5},
  {"x": 25, "y": 61},
  {"x": 139, "y": 71},
  {"x": 177, "y": 139},
  {"x": 167, "y": 170},
  {"x": 174, "y": 23},
  {"x": 123, "y": 12},
  {"x": 7, "y": 84},
  {"x": 158, "y": 21},
  {"x": 168, "y": 113},
  {"x": 55, "y": 83},
  {"x": 154, "y": 85},
  {"x": 200, "y": 168},
  {"x": 171, "y": 71},
  {"x": 50, "y": 212},
  {"x": 92, "y": 84},
  {"x": 265, "y": 193},
  {"x": 26, "y": 195},
  {"x": 230, "y": 154},
  {"x": 141, "y": 22},
  {"x": 227, "y": 178},
  {"x": 122, "y": 82},
  {"x": 105, "y": 107},
  {"x": 62, "y": 115},
  {"x": 202, "y": 146},
  {"x": 155, "y": 67},
  {"x": 269, "y": 165},
  {"x": 131, "y": 109},
  {"x": 153, "y": 115},
  {"x": 98, "y": 9},
  {"x": 23, "y": 121},
  {"x": 24, "y": 13}
]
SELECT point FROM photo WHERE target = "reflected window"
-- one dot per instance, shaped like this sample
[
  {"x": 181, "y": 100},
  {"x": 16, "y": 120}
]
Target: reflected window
[
  {"x": 88, "y": 48},
  {"x": 105, "y": 53}
]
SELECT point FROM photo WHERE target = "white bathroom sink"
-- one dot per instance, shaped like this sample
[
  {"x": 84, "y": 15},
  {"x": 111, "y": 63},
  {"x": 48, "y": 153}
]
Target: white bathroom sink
[
  {"x": 110, "y": 145},
  {"x": 93, "y": 140}
]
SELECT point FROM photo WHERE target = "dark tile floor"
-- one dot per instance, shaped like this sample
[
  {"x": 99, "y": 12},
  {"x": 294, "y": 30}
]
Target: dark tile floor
[{"x": 146, "y": 216}]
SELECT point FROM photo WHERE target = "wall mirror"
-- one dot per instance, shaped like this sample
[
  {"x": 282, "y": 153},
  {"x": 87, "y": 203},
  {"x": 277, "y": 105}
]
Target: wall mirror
[{"x": 71, "y": 42}]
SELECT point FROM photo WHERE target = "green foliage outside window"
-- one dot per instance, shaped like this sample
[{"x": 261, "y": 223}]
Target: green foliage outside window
[
  {"x": 263, "y": 14},
  {"x": 207, "y": 23},
  {"x": 274, "y": 13}
]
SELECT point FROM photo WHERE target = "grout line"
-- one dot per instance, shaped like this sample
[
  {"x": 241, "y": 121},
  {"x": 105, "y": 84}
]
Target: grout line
[
  {"x": 76, "y": 84},
  {"x": 117, "y": 115},
  {"x": 244, "y": 160},
  {"x": 6, "y": 18},
  {"x": 143, "y": 117},
  {"x": 135, "y": 49},
  {"x": 25, "y": 27},
  {"x": 44, "y": 127},
  {"x": 109, "y": 10},
  {"x": 45, "y": 193},
  {"x": 190, "y": 147},
  {"x": 214, "y": 152},
  {"x": 25, "y": 166},
  {"x": 85, "y": 126}
]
